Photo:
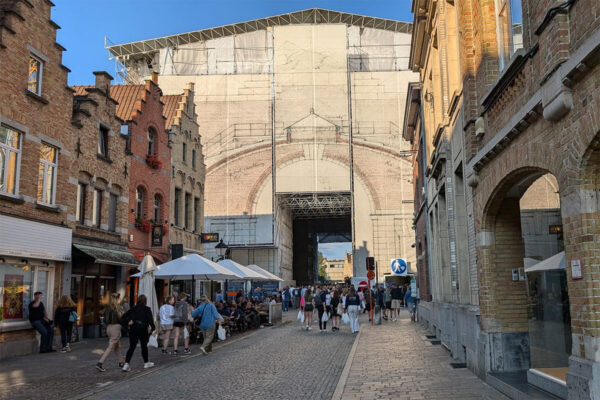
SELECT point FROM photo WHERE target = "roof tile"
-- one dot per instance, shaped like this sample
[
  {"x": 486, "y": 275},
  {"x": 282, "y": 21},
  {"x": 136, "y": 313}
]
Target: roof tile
[
  {"x": 127, "y": 97},
  {"x": 170, "y": 108}
]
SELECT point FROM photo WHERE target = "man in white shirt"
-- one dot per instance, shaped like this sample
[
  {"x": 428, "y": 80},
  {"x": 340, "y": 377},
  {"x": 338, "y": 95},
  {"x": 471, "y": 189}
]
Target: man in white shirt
[{"x": 166, "y": 314}]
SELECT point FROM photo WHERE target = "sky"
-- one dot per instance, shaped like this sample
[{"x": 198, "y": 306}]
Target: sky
[
  {"x": 85, "y": 24},
  {"x": 335, "y": 251}
]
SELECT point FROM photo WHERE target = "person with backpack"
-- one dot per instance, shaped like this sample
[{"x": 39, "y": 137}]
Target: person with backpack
[
  {"x": 208, "y": 315},
  {"x": 167, "y": 314},
  {"x": 138, "y": 320},
  {"x": 285, "y": 299},
  {"x": 112, "y": 318},
  {"x": 352, "y": 306},
  {"x": 64, "y": 318},
  {"x": 387, "y": 301},
  {"x": 181, "y": 319}
]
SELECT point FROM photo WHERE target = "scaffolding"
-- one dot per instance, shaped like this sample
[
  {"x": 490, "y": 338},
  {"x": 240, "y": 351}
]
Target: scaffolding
[{"x": 316, "y": 204}]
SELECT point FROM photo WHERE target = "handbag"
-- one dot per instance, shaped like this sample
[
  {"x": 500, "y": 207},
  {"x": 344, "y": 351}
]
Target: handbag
[
  {"x": 221, "y": 333},
  {"x": 325, "y": 317},
  {"x": 345, "y": 318},
  {"x": 301, "y": 317},
  {"x": 153, "y": 341},
  {"x": 73, "y": 317}
]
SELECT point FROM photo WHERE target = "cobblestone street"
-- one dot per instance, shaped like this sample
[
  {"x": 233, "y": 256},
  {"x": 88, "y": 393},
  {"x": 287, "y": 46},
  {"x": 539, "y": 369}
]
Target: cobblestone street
[{"x": 394, "y": 361}]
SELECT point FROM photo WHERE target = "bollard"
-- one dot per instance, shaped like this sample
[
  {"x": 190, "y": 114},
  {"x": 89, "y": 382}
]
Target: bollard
[{"x": 377, "y": 315}]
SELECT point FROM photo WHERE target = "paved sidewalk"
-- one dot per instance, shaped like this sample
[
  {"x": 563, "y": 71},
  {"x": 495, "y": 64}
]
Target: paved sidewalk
[
  {"x": 393, "y": 361},
  {"x": 65, "y": 375}
]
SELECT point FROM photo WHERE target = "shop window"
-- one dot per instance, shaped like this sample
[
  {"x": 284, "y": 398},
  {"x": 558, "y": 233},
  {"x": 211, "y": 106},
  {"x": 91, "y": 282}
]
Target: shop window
[
  {"x": 47, "y": 174},
  {"x": 509, "y": 29},
  {"x": 139, "y": 203},
  {"x": 16, "y": 283},
  {"x": 151, "y": 141},
  {"x": 183, "y": 151},
  {"x": 10, "y": 158},
  {"x": 36, "y": 69},
  {"x": 112, "y": 212},
  {"x": 97, "y": 208},
  {"x": 80, "y": 210},
  {"x": 103, "y": 142},
  {"x": 176, "y": 205},
  {"x": 157, "y": 205}
]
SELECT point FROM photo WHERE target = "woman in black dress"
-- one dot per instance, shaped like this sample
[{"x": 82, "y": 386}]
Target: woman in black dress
[{"x": 64, "y": 319}]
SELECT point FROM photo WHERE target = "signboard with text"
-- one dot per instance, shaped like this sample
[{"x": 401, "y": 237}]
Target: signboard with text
[{"x": 209, "y": 237}]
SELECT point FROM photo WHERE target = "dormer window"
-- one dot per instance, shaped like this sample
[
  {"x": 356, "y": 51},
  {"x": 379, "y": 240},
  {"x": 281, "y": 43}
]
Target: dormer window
[{"x": 36, "y": 69}]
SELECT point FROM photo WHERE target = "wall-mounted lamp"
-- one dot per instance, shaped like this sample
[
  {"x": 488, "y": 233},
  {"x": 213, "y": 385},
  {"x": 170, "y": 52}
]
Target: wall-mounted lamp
[
  {"x": 24, "y": 261},
  {"x": 428, "y": 96},
  {"x": 3, "y": 260}
]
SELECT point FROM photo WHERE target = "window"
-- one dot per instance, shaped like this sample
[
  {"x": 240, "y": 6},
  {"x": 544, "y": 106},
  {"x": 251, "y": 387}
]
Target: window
[
  {"x": 10, "y": 156},
  {"x": 176, "y": 205},
  {"x": 196, "y": 214},
  {"x": 47, "y": 174},
  {"x": 186, "y": 210},
  {"x": 139, "y": 203},
  {"x": 103, "y": 142},
  {"x": 112, "y": 212},
  {"x": 97, "y": 208},
  {"x": 151, "y": 141},
  {"x": 80, "y": 210},
  {"x": 184, "y": 151},
  {"x": 17, "y": 281},
  {"x": 36, "y": 68},
  {"x": 510, "y": 29},
  {"x": 157, "y": 202},
  {"x": 193, "y": 158}
]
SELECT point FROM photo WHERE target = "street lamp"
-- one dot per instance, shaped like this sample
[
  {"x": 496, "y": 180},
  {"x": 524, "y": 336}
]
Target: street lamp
[{"x": 222, "y": 248}]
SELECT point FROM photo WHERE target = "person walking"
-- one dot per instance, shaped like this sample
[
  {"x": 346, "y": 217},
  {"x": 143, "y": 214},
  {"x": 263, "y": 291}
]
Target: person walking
[
  {"x": 167, "y": 315},
  {"x": 208, "y": 315},
  {"x": 182, "y": 318},
  {"x": 319, "y": 301},
  {"x": 335, "y": 314},
  {"x": 112, "y": 317},
  {"x": 387, "y": 302},
  {"x": 285, "y": 299},
  {"x": 353, "y": 303},
  {"x": 139, "y": 319},
  {"x": 38, "y": 317},
  {"x": 63, "y": 318},
  {"x": 409, "y": 301},
  {"x": 308, "y": 308},
  {"x": 396, "y": 294}
]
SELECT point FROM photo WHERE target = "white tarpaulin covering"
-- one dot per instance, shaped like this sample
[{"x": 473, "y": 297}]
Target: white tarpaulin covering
[
  {"x": 146, "y": 286},
  {"x": 247, "y": 274},
  {"x": 196, "y": 267},
  {"x": 557, "y": 261},
  {"x": 264, "y": 272}
]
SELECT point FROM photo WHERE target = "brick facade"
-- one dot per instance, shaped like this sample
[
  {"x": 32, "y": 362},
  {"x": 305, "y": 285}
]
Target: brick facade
[{"x": 31, "y": 217}]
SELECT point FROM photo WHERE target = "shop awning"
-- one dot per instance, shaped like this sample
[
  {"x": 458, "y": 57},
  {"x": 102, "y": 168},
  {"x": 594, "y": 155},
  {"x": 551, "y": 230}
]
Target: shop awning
[
  {"x": 557, "y": 261},
  {"x": 102, "y": 255}
]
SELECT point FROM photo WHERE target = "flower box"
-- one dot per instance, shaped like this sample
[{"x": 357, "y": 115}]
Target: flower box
[
  {"x": 143, "y": 225},
  {"x": 153, "y": 161}
]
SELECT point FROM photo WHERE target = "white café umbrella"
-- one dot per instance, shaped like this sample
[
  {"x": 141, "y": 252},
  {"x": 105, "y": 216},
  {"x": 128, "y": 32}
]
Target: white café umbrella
[
  {"x": 146, "y": 287},
  {"x": 194, "y": 266},
  {"x": 267, "y": 274},
  {"x": 246, "y": 273}
]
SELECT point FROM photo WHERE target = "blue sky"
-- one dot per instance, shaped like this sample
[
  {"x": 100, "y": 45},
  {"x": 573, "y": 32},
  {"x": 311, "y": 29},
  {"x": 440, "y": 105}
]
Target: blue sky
[
  {"x": 335, "y": 251},
  {"x": 85, "y": 23}
]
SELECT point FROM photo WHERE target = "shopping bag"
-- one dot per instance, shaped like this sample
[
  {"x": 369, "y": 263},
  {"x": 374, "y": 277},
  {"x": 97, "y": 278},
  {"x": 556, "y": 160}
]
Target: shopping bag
[
  {"x": 300, "y": 316},
  {"x": 153, "y": 341},
  {"x": 325, "y": 317},
  {"x": 345, "y": 318},
  {"x": 221, "y": 333},
  {"x": 186, "y": 333},
  {"x": 340, "y": 309}
]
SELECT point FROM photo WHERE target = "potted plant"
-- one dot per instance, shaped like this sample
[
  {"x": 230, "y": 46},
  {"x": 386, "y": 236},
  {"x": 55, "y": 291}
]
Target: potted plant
[
  {"x": 143, "y": 224},
  {"x": 153, "y": 161}
]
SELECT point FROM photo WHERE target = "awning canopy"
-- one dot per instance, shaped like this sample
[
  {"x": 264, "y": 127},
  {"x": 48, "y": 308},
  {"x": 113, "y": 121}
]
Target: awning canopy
[
  {"x": 557, "y": 261},
  {"x": 102, "y": 255}
]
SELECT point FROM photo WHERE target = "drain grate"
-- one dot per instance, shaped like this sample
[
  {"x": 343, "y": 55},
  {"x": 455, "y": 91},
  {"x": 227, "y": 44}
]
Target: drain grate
[
  {"x": 430, "y": 336},
  {"x": 458, "y": 365},
  {"x": 436, "y": 342}
]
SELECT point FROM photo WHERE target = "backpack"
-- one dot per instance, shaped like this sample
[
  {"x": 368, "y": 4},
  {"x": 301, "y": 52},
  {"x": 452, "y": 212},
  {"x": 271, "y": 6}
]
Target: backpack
[
  {"x": 318, "y": 301},
  {"x": 181, "y": 311}
]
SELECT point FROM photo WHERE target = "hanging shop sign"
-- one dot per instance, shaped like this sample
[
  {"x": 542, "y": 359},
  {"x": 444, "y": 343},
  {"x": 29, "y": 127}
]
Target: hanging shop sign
[
  {"x": 209, "y": 237},
  {"x": 157, "y": 236}
]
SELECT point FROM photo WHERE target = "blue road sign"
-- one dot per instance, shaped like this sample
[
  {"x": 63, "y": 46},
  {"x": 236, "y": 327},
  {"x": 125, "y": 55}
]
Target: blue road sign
[{"x": 399, "y": 267}]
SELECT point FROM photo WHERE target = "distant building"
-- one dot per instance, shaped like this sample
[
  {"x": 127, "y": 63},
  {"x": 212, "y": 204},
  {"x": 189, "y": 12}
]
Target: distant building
[{"x": 338, "y": 269}]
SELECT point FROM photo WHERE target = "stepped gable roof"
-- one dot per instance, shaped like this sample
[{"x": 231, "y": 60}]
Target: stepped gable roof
[
  {"x": 127, "y": 96},
  {"x": 171, "y": 104},
  {"x": 81, "y": 90},
  {"x": 309, "y": 16},
  {"x": 7, "y": 7}
]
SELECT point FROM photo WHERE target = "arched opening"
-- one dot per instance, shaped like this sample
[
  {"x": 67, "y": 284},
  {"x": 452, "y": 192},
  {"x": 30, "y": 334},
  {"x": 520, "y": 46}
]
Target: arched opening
[{"x": 525, "y": 302}]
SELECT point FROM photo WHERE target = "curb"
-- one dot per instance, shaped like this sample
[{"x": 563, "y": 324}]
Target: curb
[
  {"x": 110, "y": 385},
  {"x": 339, "y": 389}
]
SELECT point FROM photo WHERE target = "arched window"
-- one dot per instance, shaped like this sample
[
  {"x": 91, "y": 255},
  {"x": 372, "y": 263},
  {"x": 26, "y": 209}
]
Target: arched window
[
  {"x": 157, "y": 204},
  {"x": 139, "y": 203},
  {"x": 151, "y": 141}
]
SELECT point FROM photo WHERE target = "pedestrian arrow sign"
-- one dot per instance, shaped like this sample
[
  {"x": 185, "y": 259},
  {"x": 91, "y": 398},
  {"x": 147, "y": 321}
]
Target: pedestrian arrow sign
[{"x": 399, "y": 267}]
